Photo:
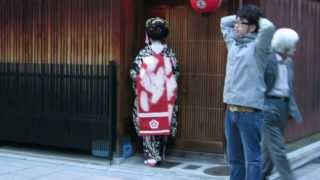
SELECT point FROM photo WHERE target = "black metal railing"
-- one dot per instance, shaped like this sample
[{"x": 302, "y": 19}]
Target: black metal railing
[{"x": 68, "y": 106}]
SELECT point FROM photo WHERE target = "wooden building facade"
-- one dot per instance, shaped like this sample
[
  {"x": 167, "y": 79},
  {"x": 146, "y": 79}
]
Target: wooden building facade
[{"x": 95, "y": 32}]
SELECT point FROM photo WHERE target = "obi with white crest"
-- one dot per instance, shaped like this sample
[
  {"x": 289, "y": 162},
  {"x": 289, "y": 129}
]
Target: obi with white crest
[{"x": 156, "y": 88}]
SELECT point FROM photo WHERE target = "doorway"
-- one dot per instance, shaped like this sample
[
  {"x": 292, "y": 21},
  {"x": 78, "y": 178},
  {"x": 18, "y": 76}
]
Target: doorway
[{"x": 201, "y": 53}]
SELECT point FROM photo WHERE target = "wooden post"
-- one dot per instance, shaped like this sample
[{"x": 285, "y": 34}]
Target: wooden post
[{"x": 240, "y": 3}]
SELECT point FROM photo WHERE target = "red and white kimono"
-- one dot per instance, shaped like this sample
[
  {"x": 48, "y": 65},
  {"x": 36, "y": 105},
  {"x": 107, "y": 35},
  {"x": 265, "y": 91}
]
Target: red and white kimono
[{"x": 156, "y": 89}]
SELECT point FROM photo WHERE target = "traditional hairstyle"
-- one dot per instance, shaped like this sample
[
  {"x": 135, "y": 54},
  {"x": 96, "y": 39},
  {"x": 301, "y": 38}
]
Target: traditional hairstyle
[
  {"x": 284, "y": 40},
  {"x": 157, "y": 28},
  {"x": 251, "y": 13}
]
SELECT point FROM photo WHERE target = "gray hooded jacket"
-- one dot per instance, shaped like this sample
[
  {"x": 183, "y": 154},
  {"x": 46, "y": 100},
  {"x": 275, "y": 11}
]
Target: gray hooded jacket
[{"x": 247, "y": 56}]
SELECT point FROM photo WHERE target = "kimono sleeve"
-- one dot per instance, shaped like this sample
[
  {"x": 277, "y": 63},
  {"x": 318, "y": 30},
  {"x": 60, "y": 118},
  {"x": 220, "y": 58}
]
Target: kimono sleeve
[{"x": 135, "y": 68}]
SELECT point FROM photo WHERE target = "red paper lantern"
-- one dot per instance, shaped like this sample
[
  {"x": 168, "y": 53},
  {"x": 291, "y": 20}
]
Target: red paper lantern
[{"x": 205, "y": 6}]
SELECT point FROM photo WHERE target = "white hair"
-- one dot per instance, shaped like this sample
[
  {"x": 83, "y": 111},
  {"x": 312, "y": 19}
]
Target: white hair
[{"x": 284, "y": 41}]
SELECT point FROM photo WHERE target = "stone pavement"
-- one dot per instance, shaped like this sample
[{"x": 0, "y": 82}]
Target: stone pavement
[
  {"x": 310, "y": 171},
  {"x": 300, "y": 161},
  {"x": 26, "y": 164},
  {"x": 29, "y": 164}
]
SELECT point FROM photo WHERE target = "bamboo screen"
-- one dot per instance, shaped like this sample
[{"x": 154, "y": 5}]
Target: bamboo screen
[
  {"x": 55, "y": 31},
  {"x": 201, "y": 52}
]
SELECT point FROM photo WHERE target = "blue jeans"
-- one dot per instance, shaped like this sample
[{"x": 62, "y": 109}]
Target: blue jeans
[{"x": 243, "y": 135}]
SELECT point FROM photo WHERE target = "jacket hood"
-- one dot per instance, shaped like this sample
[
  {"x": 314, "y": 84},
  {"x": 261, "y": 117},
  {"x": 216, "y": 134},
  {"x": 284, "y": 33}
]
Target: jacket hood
[{"x": 246, "y": 39}]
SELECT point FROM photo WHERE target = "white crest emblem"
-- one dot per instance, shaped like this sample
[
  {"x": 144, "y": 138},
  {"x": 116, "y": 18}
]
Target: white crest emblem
[
  {"x": 154, "y": 124},
  {"x": 201, "y": 4}
]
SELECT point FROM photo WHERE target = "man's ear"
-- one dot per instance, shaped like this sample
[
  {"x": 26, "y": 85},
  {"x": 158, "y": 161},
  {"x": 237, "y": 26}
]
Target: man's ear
[{"x": 252, "y": 28}]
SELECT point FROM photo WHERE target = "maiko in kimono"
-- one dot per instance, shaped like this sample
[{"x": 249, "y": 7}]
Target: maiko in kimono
[{"x": 154, "y": 75}]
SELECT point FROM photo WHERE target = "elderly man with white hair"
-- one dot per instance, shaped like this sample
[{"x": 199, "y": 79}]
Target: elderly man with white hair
[{"x": 280, "y": 104}]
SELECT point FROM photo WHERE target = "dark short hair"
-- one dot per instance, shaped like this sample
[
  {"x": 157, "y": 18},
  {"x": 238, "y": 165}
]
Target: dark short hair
[
  {"x": 251, "y": 13},
  {"x": 157, "y": 30}
]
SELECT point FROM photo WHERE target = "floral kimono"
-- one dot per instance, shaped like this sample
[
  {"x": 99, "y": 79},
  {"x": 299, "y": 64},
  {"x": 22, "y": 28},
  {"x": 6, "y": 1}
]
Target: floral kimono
[{"x": 153, "y": 94}]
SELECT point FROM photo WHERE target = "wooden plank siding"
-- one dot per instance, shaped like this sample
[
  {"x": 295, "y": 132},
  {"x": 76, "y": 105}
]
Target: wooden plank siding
[
  {"x": 55, "y": 31},
  {"x": 304, "y": 17}
]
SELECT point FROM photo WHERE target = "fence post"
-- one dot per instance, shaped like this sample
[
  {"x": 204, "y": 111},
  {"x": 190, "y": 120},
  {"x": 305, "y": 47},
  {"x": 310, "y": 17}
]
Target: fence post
[{"x": 112, "y": 107}]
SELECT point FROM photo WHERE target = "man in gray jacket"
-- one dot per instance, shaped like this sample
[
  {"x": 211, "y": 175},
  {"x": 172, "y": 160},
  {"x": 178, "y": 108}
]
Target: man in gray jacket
[
  {"x": 279, "y": 104},
  {"x": 247, "y": 36}
]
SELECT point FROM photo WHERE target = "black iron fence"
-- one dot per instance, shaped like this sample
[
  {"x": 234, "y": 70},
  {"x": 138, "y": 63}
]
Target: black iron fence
[{"x": 68, "y": 106}]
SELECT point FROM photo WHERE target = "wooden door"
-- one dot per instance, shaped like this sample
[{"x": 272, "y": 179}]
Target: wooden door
[
  {"x": 198, "y": 43},
  {"x": 201, "y": 52}
]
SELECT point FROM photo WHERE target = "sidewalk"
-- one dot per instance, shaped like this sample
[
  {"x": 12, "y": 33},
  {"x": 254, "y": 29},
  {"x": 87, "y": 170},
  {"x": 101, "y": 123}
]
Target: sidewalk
[
  {"x": 301, "y": 157},
  {"x": 26, "y": 164},
  {"x": 309, "y": 171},
  {"x": 23, "y": 164}
]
